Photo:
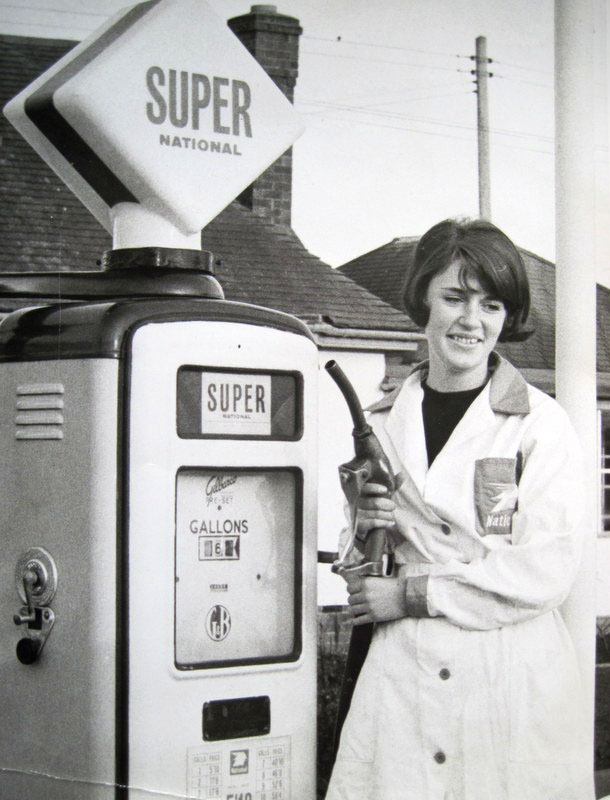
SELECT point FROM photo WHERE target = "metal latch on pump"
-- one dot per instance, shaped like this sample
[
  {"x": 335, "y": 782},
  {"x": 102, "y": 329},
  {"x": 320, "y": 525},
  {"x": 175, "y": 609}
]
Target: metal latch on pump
[{"x": 36, "y": 583}]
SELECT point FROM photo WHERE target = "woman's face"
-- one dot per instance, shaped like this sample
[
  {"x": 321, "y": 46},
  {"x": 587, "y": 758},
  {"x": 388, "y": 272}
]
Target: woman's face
[{"x": 462, "y": 330}]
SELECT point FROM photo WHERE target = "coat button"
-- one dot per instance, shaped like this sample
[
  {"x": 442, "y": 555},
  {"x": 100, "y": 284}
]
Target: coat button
[
  {"x": 445, "y": 529},
  {"x": 440, "y": 757},
  {"x": 444, "y": 674}
]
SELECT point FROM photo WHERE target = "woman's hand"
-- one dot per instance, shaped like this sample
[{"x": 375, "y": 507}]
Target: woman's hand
[
  {"x": 376, "y": 599},
  {"x": 375, "y": 509}
]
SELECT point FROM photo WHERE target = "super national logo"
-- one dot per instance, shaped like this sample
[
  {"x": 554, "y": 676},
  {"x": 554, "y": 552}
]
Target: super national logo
[{"x": 193, "y": 101}]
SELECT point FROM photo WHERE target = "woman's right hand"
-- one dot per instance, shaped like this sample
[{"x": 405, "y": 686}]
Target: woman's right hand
[{"x": 375, "y": 509}]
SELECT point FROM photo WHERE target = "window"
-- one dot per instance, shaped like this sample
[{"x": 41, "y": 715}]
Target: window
[{"x": 605, "y": 469}]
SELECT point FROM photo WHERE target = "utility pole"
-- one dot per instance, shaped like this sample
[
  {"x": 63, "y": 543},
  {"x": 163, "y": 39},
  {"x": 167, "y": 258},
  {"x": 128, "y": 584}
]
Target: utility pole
[{"x": 481, "y": 74}]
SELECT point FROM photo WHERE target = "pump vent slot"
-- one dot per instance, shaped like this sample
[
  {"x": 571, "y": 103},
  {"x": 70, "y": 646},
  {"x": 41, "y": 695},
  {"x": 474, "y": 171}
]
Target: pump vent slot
[{"x": 39, "y": 408}]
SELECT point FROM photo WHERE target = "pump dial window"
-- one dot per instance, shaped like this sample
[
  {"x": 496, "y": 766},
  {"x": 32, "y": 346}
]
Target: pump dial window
[{"x": 238, "y": 574}]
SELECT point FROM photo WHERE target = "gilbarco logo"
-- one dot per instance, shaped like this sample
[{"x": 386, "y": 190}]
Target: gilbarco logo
[{"x": 219, "y": 482}]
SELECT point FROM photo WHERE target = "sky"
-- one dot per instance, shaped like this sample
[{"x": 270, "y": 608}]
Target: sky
[{"x": 387, "y": 97}]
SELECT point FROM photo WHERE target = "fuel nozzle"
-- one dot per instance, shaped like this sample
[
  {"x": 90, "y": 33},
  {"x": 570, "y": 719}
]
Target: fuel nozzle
[{"x": 369, "y": 465}]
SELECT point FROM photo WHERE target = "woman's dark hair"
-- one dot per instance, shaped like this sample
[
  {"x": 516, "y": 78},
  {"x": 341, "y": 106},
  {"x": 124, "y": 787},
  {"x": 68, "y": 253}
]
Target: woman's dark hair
[{"x": 484, "y": 252}]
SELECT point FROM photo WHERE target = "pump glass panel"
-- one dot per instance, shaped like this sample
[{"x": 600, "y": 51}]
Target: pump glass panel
[
  {"x": 238, "y": 577},
  {"x": 240, "y": 404}
]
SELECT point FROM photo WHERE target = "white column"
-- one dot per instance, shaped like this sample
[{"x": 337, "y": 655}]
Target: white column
[{"x": 576, "y": 306}]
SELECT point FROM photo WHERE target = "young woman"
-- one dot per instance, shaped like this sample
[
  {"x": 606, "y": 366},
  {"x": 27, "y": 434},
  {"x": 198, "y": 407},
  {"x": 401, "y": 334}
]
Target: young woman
[{"x": 470, "y": 689}]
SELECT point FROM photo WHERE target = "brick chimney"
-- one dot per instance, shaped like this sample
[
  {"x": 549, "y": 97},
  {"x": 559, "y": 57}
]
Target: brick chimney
[{"x": 273, "y": 40}]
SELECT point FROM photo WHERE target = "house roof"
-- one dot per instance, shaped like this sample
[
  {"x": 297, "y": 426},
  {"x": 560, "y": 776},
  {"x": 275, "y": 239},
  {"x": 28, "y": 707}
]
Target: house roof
[
  {"x": 266, "y": 264},
  {"x": 384, "y": 271},
  {"x": 44, "y": 227}
]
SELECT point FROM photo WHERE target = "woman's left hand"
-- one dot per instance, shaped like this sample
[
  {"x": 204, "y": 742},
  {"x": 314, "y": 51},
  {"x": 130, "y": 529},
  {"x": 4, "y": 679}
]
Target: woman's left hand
[{"x": 376, "y": 599}]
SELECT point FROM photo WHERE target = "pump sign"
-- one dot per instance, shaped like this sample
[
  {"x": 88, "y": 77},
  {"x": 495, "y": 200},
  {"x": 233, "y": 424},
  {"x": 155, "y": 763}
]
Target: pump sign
[
  {"x": 164, "y": 107},
  {"x": 235, "y": 403}
]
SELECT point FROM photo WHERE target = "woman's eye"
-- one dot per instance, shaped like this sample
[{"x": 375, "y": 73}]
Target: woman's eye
[
  {"x": 452, "y": 298},
  {"x": 493, "y": 306}
]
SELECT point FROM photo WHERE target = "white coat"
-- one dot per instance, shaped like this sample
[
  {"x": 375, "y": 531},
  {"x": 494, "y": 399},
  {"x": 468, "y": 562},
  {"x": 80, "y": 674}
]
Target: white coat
[{"x": 477, "y": 694}]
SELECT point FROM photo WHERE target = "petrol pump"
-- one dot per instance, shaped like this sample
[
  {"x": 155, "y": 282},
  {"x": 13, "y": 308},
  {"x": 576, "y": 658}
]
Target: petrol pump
[{"x": 158, "y": 509}]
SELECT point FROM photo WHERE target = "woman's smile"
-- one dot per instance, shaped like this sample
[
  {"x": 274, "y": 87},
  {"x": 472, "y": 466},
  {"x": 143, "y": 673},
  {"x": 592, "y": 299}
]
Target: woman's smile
[{"x": 465, "y": 340}]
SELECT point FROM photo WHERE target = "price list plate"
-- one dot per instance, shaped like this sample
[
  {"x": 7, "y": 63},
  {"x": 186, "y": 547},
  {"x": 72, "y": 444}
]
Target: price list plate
[{"x": 240, "y": 770}]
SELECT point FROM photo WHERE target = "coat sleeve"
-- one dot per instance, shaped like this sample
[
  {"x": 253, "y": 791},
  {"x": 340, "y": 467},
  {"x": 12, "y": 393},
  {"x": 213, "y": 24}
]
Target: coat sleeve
[{"x": 534, "y": 573}]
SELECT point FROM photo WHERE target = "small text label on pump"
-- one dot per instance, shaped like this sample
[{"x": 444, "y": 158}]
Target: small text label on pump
[{"x": 235, "y": 403}]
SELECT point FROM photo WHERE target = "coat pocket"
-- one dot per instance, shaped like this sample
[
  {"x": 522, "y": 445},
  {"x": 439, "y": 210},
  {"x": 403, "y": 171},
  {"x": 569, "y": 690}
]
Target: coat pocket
[{"x": 495, "y": 494}]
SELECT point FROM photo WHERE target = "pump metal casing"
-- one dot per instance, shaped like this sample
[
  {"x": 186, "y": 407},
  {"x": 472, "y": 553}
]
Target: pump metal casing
[{"x": 91, "y": 472}]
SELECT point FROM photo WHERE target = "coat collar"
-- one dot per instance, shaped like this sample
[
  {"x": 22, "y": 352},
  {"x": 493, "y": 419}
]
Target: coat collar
[{"x": 507, "y": 391}]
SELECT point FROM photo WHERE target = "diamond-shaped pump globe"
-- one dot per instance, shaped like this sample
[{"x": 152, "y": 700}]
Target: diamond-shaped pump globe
[{"x": 164, "y": 107}]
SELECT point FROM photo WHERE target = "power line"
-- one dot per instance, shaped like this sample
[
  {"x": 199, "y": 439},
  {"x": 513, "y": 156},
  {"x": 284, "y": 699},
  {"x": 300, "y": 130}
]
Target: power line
[
  {"x": 56, "y": 10},
  {"x": 66, "y": 28},
  {"x": 366, "y": 109},
  {"x": 395, "y": 98},
  {"x": 337, "y": 40},
  {"x": 447, "y": 136},
  {"x": 378, "y": 61},
  {"x": 509, "y": 64},
  {"x": 520, "y": 66},
  {"x": 386, "y": 114},
  {"x": 522, "y": 80},
  {"x": 429, "y": 120},
  {"x": 341, "y": 40},
  {"x": 508, "y": 78},
  {"x": 412, "y": 130},
  {"x": 422, "y": 66},
  {"x": 418, "y": 99},
  {"x": 398, "y": 95},
  {"x": 351, "y": 108}
]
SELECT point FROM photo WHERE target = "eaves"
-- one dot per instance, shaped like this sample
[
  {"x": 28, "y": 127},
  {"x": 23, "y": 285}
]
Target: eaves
[{"x": 329, "y": 337}]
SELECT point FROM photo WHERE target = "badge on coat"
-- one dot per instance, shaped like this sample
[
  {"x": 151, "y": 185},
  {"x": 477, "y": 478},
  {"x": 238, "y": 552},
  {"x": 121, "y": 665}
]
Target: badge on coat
[{"x": 495, "y": 494}]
